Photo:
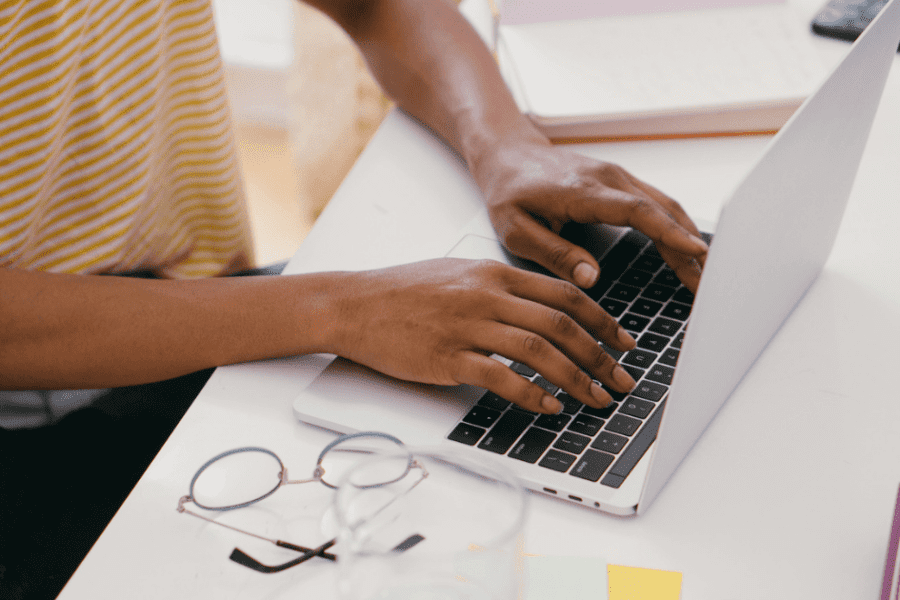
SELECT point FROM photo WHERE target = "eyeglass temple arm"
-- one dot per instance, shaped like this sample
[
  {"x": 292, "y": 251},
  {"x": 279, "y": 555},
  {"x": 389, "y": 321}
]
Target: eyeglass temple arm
[
  {"x": 242, "y": 558},
  {"x": 185, "y": 499},
  {"x": 296, "y": 548}
]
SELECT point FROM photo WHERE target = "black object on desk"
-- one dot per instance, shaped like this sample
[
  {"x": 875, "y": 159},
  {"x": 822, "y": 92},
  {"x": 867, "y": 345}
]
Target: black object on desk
[{"x": 846, "y": 19}]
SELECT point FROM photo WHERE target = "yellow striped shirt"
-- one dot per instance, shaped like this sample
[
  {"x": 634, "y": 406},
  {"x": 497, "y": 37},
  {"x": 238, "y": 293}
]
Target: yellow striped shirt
[{"x": 116, "y": 151}]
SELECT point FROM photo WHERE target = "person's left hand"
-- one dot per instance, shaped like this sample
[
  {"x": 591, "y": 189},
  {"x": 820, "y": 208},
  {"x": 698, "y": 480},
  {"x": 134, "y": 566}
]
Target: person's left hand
[{"x": 533, "y": 188}]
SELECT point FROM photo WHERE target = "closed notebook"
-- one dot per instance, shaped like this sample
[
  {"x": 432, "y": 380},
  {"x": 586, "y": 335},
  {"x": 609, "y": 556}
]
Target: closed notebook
[{"x": 680, "y": 72}]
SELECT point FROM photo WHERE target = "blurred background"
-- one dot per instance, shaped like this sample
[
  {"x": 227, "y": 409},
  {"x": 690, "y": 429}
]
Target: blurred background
[{"x": 304, "y": 107}]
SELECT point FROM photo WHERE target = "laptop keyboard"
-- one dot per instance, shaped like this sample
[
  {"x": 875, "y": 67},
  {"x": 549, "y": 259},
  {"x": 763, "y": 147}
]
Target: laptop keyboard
[{"x": 646, "y": 297}]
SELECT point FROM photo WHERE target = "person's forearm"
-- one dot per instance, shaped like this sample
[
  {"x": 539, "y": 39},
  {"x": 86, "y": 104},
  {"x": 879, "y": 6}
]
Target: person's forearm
[
  {"x": 431, "y": 61},
  {"x": 70, "y": 331}
]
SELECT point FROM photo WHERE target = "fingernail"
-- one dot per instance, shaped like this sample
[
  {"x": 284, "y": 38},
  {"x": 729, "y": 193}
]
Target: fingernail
[
  {"x": 700, "y": 242},
  {"x": 600, "y": 395},
  {"x": 625, "y": 338},
  {"x": 585, "y": 275},
  {"x": 623, "y": 379},
  {"x": 551, "y": 405}
]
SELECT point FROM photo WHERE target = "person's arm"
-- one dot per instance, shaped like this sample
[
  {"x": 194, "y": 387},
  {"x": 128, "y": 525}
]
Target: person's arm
[
  {"x": 427, "y": 57},
  {"x": 432, "y": 322}
]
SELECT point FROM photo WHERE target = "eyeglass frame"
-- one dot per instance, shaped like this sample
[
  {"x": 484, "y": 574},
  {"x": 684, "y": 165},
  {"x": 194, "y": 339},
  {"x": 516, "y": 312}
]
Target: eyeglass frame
[{"x": 244, "y": 559}]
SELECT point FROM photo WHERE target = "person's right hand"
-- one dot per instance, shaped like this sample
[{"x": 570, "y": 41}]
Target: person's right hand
[{"x": 439, "y": 321}]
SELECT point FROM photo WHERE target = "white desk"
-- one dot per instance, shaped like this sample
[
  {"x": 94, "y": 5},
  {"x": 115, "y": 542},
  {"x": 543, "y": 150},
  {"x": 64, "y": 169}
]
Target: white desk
[{"x": 802, "y": 511}]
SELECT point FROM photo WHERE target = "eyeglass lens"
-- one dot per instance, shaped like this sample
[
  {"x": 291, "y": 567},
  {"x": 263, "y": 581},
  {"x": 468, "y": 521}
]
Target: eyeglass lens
[{"x": 236, "y": 478}]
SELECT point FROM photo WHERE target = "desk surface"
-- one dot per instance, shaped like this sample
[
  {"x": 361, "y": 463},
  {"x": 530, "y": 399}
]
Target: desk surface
[{"x": 800, "y": 511}]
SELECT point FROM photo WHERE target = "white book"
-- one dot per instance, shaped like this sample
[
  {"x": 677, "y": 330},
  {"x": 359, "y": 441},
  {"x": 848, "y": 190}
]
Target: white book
[{"x": 695, "y": 72}]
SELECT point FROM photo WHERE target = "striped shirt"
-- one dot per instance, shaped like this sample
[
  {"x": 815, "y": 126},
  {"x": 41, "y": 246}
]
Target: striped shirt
[{"x": 116, "y": 152}]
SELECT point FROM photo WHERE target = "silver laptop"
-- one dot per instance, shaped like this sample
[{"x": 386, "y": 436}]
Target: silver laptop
[{"x": 771, "y": 241}]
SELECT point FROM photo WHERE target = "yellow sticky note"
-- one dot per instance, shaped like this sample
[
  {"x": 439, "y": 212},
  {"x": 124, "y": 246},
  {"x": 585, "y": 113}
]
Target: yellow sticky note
[{"x": 635, "y": 583}]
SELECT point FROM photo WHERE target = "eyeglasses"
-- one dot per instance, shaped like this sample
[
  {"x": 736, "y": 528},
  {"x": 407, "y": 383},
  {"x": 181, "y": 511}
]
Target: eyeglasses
[{"x": 244, "y": 476}]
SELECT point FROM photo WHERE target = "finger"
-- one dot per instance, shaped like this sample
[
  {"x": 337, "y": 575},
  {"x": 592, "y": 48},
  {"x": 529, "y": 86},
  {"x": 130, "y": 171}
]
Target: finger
[
  {"x": 687, "y": 269},
  {"x": 563, "y": 311},
  {"x": 532, "y": 241},
  {"x": 483, "y": 371},
  {"x": 534, "y": 350},
  {"x": 670, "y": 204},
  {"x": 617, "y": 207}
]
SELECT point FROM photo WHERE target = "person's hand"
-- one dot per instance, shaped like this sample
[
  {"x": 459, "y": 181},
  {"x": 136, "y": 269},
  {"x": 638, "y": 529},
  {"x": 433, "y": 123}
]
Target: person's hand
[
  {"x": 532, "y": 189},
  {"x": 439, "y": 321}
]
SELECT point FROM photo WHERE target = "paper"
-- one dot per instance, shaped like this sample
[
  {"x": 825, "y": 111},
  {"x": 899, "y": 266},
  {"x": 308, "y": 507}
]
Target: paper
[
  {"x": 635, "y": 583},
  {"x": 581, "y": 578}
]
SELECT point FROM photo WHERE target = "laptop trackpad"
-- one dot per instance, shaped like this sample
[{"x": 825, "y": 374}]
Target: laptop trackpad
[{"x": 348, "y": 397}]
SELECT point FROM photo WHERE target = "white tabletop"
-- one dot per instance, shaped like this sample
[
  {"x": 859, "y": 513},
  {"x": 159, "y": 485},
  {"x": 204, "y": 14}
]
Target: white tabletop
[{"x": 800, "y": 511}]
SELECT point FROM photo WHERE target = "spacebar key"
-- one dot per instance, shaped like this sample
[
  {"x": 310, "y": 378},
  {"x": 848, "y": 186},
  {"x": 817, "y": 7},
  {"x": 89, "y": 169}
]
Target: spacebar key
[
  {"x": 506, "y": 431},
  {"x": 635, "y": 450}
]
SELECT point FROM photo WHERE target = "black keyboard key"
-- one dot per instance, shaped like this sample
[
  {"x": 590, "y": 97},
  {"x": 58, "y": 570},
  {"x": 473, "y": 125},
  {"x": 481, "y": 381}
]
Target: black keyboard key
[
  {"x": 660, "y": 293},
  {"x": 523, "y": 370},
  {"x": 653, "y": 342},
  {"x": 613, "y": 307},
  {"x": 648, "y": 262},
  {"x": 635, "y": 450},
  {"x": 610, "y": 442},
  {"x": 492, "y": 400},
  {"x": 530, "y": 447},
  {"x": 572, "y": 442},
  {"x": 482, "y": 416},
  {"x": 506, "y": 431},
  {"x": 617, "y": 260},
  {"x": 616, "y": 354},
  {"x": 633, "y": 322},
  {"x": 548, "y": 387},
  {"x": 636, "y": 278},
  {"x": 466, "y": 434},
  {"x": 592, "y": 465},
  {"x": 624, "y": 425},
  {"x": 600, "y": 413},
  {"x": 637, "y": 408},
  {"x": 585, "y": 425},
  {"x": 684, "y": 296},
  {"x": 553, "y": 422},
  {"x": 661, "y": 374},
  {"x": 558, "y": 461},
  {"x": 601, "y": 287},
  {"x": 645, "y": 307},
  {"x": 649, "y": 390},
  {"x": 624, "y": 293},
  {"x": 678, "y": 311},
  {"x": 640, "y": 358},
  {"x": 635, "y": 373},
  {"x": 664, "y": 326},
  {"x": 670, "y": 357},
  {"x": 667, "y": 277},
  {"x": 619, "y": 396},
  {"x": 570, "y": 404}
]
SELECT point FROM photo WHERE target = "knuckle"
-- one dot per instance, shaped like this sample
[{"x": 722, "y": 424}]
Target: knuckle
[
  {"x": 488, "y": 374},
  {"x": 563, "y": 324},
  {"x": 578, "y": 379},
  {"x": 570, "y": 294},
  {"x": 602, "y": 360},
  {"x": 558, "y": 255},
  {"x": 533, "y": 344}
]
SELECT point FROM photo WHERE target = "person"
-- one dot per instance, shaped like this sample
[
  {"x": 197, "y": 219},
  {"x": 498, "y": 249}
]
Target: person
[{"x": 116, "y": 158}]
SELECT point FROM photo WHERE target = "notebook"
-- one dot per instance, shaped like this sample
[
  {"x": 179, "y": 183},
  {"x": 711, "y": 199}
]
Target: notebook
[
  {"x": 665, "y": 71},
  {"x": 803, "y": 179}
]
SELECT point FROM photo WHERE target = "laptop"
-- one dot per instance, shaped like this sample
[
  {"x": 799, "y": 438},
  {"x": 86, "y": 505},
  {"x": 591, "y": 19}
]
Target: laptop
[{"x": 771, "y": 241}]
